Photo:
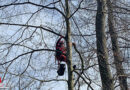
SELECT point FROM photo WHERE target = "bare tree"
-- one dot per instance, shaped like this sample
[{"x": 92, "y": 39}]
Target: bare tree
[
  {"x": 69, "y": 47},
  {"x": 29, "y": 30},
  {"x": 102, "y": 53},
  {"x": 118, "y": 59}
]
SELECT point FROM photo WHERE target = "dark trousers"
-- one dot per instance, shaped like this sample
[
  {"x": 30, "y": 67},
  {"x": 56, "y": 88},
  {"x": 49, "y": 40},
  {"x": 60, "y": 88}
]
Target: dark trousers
[{"x": 61, "y": 70}]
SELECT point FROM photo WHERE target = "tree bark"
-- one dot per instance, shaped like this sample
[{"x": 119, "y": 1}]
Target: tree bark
[
  {"x": 102, "y": 53},
  {"x": 69, "y": 48},
  {"x": 116, "y": 50}
]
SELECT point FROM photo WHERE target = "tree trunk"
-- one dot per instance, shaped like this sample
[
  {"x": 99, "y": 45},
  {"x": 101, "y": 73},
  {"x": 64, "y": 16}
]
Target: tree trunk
[
  {"x": 116, "y": 51},
  {"x": 69, "y": 48},
  {"x": 102, "y": 53}
]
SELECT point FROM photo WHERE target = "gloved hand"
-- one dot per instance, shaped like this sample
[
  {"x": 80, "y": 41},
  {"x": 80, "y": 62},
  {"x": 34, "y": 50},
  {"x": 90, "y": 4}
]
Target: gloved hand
[{"x": 62, "y": 36}]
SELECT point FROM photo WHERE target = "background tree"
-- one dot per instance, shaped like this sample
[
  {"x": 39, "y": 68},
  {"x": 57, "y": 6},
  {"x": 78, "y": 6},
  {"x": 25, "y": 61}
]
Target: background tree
[
  {"x": 115, "y": 47},
  {"x": 107, "y": 82},
  {"x": 29, "y": 30}
]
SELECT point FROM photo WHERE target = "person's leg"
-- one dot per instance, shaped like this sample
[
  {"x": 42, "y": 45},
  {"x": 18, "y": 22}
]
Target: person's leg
[{"x": 61, "y": 69}]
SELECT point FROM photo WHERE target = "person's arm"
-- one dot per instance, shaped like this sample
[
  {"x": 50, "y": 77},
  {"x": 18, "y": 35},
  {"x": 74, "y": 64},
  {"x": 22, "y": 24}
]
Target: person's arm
[{"x": 59, "y": 40}]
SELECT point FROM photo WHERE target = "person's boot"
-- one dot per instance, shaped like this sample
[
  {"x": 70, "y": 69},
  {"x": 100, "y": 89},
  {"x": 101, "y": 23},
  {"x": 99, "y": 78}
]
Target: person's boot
[{"x": 61, "y": 70}]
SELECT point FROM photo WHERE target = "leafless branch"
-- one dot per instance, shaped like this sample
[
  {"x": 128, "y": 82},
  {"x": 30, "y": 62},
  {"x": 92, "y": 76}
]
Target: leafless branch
[
  {"x": 32, "y": 27},
  {"x": 31, "y": 3},
  {"x": 26, "y": 54}
]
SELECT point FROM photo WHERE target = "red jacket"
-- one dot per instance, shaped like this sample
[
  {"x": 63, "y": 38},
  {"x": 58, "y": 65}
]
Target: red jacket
[
  {"x": 60, "y": 46},
  {"x": 0, "y": 80},
  {"x": 60, "y": 50}
]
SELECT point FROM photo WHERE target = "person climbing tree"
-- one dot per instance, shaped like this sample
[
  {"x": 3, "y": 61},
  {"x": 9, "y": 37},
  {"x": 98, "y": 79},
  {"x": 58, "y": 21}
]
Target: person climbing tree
[
  {"x": 61, "y": 56},
  {"x": 0, "y": 80},
  {"x": 1, "y": 84}
]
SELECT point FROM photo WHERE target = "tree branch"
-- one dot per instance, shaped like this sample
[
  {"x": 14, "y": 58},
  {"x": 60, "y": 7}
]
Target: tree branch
[
  {"x": 31, "y": 26},
  {"x": 26, "y": 54},
  {"x": 31, "y": 3}
]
